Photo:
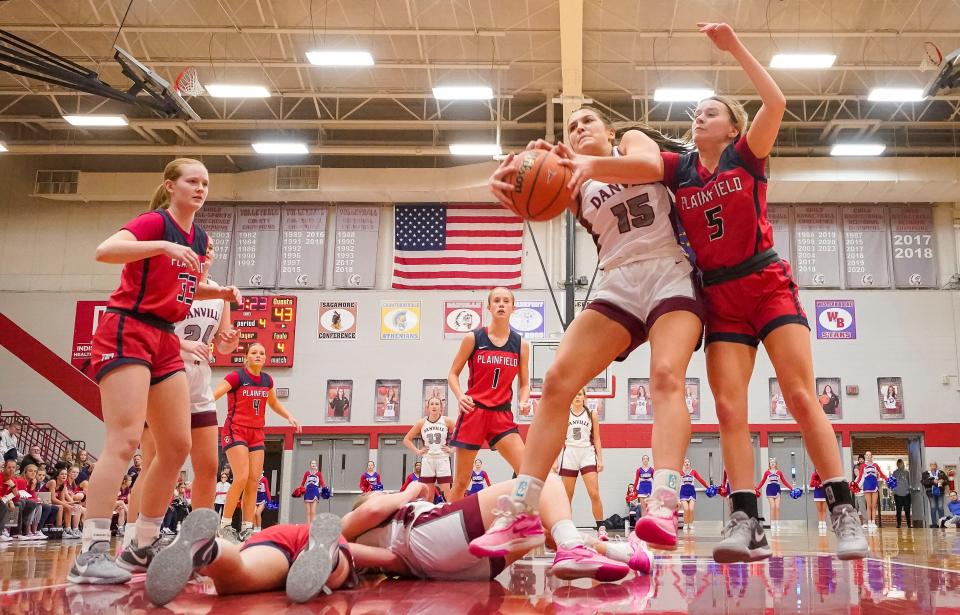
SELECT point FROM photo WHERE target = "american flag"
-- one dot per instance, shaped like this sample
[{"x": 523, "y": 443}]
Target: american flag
[{"x": 456, "y": 246}]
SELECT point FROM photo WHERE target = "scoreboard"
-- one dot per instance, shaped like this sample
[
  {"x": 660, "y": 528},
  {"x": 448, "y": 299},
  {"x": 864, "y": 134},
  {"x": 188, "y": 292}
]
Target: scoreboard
[{"x": 268, "y": 319}]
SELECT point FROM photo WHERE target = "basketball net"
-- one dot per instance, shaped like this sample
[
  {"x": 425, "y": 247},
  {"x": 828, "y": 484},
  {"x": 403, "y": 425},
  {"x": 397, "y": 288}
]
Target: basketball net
[
  {"x": 932, "y": 57},
  {"x": 188, "y": 83}
]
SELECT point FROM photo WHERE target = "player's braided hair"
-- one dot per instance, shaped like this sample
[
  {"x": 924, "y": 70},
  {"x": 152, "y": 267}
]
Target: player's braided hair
[{"x": 173, "y": 170}]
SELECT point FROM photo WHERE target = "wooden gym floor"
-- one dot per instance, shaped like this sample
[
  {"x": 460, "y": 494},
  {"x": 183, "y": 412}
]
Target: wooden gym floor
[{"x": 911, "y": 571}]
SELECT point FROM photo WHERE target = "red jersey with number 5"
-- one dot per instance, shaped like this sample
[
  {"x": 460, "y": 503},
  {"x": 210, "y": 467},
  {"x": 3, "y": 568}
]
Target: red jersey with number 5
[
  {"x": 160, "y": 286},
  {"x": 492, "y": 370},
  {"x": 247, "y": 398},
  {"x": 724, "y": 213}
]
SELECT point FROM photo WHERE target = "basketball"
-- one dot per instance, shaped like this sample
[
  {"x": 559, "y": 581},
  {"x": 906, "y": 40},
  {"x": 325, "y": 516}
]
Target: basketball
[
  {"x": 540, "y": 186},
  {"x": 823, "y": 400}
]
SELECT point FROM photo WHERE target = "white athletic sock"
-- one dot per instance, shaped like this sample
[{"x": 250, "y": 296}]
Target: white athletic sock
[
  {"x": 619, "y": 551},
  {"x": 94, "y": 530},
  {"x": 225, "y": 521},
  {"x": 129, "y": 532},
  {"x": 246, "y": 525},
  {"x": 527, "y": 491},
  {"x": 148, "y": 528},
  {"x": 666, "y": 479},
  {"x": 566, "y": 534}
]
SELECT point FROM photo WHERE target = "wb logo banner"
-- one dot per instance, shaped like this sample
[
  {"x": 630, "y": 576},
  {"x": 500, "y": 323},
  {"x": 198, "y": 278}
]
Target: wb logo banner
[{"x": 836, "y": 319}]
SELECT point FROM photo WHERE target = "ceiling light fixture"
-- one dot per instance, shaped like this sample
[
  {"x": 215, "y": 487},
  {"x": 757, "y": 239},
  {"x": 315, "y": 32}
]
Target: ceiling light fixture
[
  {"x": 857, "y": 149},
  {"x": 227, "y": 90},
  {"x": 475, "y": 149},
  {"x": 96, "y": 120},
  {"x": 803, "y": 60},
  {"x": 463, "y": 92},
  {"x": 340, "y": 58},
  {"x": 280, "y": 147},
  {"x": 682, "y": 94},
  {"x": 895, "y": 94}
]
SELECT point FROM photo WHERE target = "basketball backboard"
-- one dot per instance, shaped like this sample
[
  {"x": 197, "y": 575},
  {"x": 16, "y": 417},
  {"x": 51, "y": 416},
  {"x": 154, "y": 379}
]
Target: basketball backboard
[
  {"x": 146, "y": 80},
  {"x": 948, "y": 78}
]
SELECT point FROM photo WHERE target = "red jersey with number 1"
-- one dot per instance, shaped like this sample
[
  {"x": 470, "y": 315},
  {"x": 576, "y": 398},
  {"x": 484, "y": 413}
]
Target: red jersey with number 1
[
  {"x": 160, "y": 286},
  {"x": 247, "y": 398},
  {"x": 724, "y": 213},
  {"x": 492, "y": 370}
]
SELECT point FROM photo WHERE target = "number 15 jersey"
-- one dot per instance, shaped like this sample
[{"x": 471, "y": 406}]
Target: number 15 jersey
[
  {"x": 492, "y": 370},
  {"x": 628, "y": 222}
]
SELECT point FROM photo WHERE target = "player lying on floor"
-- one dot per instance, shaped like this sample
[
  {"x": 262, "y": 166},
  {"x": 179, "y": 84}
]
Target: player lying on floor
[{"x": 398, "y": 533}]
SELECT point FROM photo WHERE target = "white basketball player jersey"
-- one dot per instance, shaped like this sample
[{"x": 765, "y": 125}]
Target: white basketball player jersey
[
  {"x": 629, "y": 222},
  {"x": 202, "y": 321},
  {"x": 579, "y": 429},
  {"x": 434, "y": 436}
]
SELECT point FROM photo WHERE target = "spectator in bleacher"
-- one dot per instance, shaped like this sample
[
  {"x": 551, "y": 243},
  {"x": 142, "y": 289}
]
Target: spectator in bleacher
[
  {"x": 57, "y": 487},
  {"x": 78, "y": 509},
  {"x": 9, "y": 497},
  {"x": 134, "y": 471},
  {"x": 176, "y": 512},
  {"x": 34, "y": 513},
  {"x": 83, "y": 461},
  {"x": 33, "y": 457},
  {"x": 8, "y": 441},
  {"x": 123, "y": 499},
  {"x": 66, "y": 461}
]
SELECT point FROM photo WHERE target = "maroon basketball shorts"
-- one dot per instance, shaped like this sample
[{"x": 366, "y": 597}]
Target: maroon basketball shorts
[
  {"x": 482, "y": 425},
  {"x": 241, "y": 435},
  {"x": 122, "y": 340},
  {"x": 747, "y": 309}
]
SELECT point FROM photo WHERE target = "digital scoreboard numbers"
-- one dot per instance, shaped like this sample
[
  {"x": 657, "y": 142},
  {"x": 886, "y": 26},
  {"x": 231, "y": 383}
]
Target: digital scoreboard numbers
[{"x": 269, "y": 320}]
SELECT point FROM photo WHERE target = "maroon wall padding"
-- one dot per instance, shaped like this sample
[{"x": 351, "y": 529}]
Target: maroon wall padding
[{"x": 45, "y": 362}]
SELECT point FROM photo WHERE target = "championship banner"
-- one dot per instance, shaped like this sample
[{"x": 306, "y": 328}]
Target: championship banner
[
  {"x": 914, "y": 247},
  {"x": 866, "y": 233},
  {"x": 302, "y": 242},
  {"x": 338, "y": 320},
  {"x": 258, "y": 238},
  {"x": 217, "y": 221},
  {"x": 836, "y": 319},
  {"x": 84, "y": 326},
  {"x": 355, "y": 247},
  {"x": 817, "y": 235},
  {"x": 399, "y": 320},
  {"x": 461, "y": 317},
  {"x": 528, "y": 319},
  {"x": 779, "y": 217}
]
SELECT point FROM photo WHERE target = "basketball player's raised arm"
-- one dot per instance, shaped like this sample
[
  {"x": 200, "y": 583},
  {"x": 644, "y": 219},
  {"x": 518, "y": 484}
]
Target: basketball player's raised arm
[
  {"x": 523, "y": 376},
  {"x": 379, "y": 508},
  {"x": 639, "y": 162},
  {"x": 762, "y": 133},
  {"x": 210, "y": 291},
  {"x": 123, "y": 247},
  {"x": 408, "y": 439},
  {"x": 596, "y": 440},
  {"x": 277, "y": 407},
  {"x": 453, "y": 378},
  {"x": 227, "y": 338}
]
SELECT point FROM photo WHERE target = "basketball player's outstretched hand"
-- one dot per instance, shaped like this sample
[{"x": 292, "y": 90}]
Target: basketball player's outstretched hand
[
  {"x": 228, "y": 336},
  {"x": 501, "y": 189},
  {"x": 198, "y": 351},
  {"x": 184, "y": 254},
  {"x": 466, "y": 404},
  {"x": 720, "y": 34},
  {"x": 232, "y": 294},
  {"x": 580, "y": 166}
]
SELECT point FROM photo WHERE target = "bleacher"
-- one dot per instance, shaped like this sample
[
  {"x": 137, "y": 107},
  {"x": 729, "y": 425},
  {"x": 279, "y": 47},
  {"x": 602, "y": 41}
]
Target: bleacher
[{"x": 49, "y": 438}]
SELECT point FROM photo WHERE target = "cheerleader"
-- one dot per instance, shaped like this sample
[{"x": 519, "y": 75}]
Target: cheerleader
[
  {"x": 688, "y": 493},
  {"x": 263, "y": 498},
  {"x": 820, "y": 499},
  {"x": 643, "y": 483},
  {"x": 250, "y": 392},
  {"x": 869, "y": 485},
  {"x": 773, "y": 477},
  {"x": 370, "y": 480},
  {"x": 223, "y": 487},
  {"x": 413, "y": 477},
  {"x": 478, "y": 477},
  {"x": 582, "y": 454},
  {"x": 311, "y": 483}
]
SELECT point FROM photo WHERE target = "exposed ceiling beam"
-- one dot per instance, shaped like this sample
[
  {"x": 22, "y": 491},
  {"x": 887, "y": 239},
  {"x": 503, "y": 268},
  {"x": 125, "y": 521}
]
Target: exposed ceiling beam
[{"x": 571, "y": 55}]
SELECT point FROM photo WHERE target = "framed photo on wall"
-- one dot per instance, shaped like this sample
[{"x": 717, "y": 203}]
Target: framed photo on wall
[
  {"x": 778, "y": 405},
  {"x": 597, "y": 405},
  {"x": 828, "y": 394},
  {"x": 525, "y": 414},
  {"x": 388, "y": 401},
  {"x": 435, "y": 388},
  {"x": 890, "y": 392},
  {"x": 639, "y": 404},
  {"x": 339, "y": 401},
  {"x": 691, "y": 397}
]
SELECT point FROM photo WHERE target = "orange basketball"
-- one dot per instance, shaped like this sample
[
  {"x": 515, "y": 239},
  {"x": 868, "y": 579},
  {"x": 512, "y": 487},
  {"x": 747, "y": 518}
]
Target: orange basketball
[
  {"x": 539, "y": 185},
  {"x": 823, "y": 400}
]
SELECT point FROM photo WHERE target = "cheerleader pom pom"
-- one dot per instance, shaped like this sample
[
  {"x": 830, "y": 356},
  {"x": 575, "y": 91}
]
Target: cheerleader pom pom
[
  {"x": 711, "y": 491},
  {"x": 378, "y": 487},
  {"x": 854, "y": 488},
  {"x": 298, "y": 492},
  {"x": 892, "y": 483},
  {"x": 325, "y": 493},
  {"x": 272, "y": 505},
  {"x": 796, "y": 493}
]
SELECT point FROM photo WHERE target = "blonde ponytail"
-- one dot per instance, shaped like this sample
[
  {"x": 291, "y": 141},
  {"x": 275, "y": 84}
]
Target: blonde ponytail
[
  {"x": 173, "y": 170},
  {"x": 161, "y": 198}
]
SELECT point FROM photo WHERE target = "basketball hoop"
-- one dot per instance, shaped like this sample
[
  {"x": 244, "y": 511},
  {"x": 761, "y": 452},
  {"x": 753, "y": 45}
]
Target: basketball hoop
[
  {"x": 932, "y": 57},
  {"x": 188, "y": 83}
]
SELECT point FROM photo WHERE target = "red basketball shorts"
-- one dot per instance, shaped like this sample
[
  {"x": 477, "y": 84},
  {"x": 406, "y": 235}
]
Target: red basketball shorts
[
  {"x": 482, "y": 425},
  {"x": 121, "y": 340},
  {"x": 237, "y": 435},
  {"x": 288, "y": 539},
  {"x": 747, "y": 309}
]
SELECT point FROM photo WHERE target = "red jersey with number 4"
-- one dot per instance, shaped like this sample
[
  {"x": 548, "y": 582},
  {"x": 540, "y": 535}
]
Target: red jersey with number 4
[
  {"x": 492, "y": 370},
  {"x": 724, "y": 213},
  {"x": 160, "y": 286},
  {"x": 247, "y": 398}
]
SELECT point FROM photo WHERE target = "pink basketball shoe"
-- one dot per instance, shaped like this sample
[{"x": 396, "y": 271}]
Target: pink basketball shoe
[
  {"x": 585, "y": 563},
  {"x": 642, "y": 560},
  {"x": 658, "y": 527},
  {"x": 515, "y": 529}
]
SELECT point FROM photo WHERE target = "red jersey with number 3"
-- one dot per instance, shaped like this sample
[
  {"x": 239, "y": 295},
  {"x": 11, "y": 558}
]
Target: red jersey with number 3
[
  {"x": 724, "y": 213},
  {"x": 247, "y": 398},
  {"x": 160, "y": 286},
  {"x": 492, "y": 370}
]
